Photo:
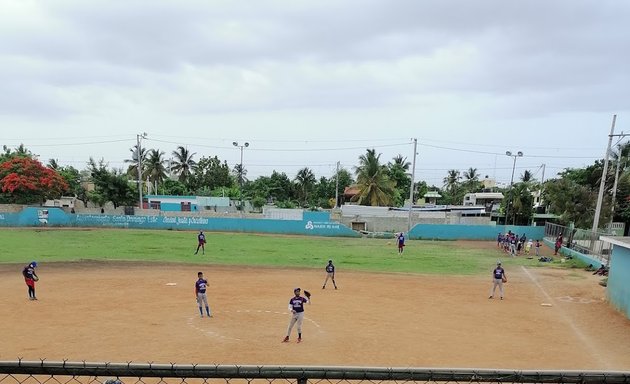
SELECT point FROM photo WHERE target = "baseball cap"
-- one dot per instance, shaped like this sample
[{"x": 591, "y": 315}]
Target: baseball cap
[
  {"x": 34, "y": 263},
  {"x": 297, "y": 289},
  {"x": 498, "y": 262}
]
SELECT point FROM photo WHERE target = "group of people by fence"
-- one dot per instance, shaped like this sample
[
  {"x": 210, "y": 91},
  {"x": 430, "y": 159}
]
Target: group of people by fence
[{"x": 514, "y": 245}]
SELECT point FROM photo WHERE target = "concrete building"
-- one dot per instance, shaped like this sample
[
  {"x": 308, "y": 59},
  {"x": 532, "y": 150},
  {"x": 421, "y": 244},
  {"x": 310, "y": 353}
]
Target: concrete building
[
  {"x": 618, "y": 286},
  {"x": 169, "y": 203}
]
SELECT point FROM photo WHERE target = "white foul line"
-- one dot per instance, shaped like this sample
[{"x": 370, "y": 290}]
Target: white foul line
[{"x": 585, "y": 340}]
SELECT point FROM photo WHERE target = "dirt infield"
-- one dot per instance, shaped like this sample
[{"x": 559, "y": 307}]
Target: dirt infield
[{"x": 128, "y": 312}]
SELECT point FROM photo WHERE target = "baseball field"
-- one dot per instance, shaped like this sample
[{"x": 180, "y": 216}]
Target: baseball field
[{"x": 123, "y": 295}]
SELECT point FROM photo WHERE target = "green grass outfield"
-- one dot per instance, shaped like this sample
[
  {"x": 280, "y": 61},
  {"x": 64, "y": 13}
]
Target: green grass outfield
[{"x": 420, "y": 256}]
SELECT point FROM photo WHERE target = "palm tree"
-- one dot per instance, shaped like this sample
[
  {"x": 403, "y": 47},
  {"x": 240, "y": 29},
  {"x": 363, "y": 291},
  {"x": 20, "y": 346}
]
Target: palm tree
[
  {"x": 375, "y": 187},
  {"x": 305, "y": 181},
  {"x": 183, "y": 164},
  {"x": 400, "y": 162},
  {"x": 451, "y": 181},
  {"x": 527, "y": 176},
  {"x": 398, "y": 171},
  {"x": 472, "y": 179},
  {"x": 132, "y": 170},
  {"x": 155, "y": 166},
  {"x": 240, "y": 173}
]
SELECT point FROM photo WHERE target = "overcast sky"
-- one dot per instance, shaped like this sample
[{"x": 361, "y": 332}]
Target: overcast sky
[{"x": 310, "y": 83}]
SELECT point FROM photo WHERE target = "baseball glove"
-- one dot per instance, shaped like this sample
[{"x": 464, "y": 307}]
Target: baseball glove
[
  {"x": 504, "y": 280},
  {"x": 35, "y": 278},
  {"x": 307, "y": 294}
]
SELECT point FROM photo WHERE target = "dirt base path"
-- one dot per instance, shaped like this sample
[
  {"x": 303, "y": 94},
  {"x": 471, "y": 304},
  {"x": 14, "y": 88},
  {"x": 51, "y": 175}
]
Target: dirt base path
[{"x": 119, "y": 312}]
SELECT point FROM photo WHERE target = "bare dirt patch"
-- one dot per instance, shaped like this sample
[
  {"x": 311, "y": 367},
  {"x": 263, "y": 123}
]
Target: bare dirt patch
[{"x": 102, "y": 311}]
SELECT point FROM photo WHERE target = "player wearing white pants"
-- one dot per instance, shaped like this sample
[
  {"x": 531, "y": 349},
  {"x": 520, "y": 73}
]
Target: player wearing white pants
[{"x": 296, "y": 306}]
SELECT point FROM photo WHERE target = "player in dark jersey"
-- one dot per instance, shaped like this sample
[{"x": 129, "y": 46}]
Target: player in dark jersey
[
  {"x": 201, "y": 243},
  {"x": 498, "y": 278},
  {"x": 296, "y": 306},
  {"x": 330, "y": 274},
  {"x": 200, "y": 293},
  {"x": 401, "y": 242},
  {"x": 30, "y": 277}
]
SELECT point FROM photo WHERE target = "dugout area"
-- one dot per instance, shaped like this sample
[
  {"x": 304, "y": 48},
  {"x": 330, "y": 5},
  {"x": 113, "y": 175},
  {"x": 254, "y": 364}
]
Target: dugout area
[{"x": 120, "y": 312}]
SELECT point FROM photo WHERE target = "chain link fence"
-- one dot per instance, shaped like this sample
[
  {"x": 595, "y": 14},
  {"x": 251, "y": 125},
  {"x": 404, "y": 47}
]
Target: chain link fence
[
  {"x": 63, "y": 372},
  {"x": 581, "y": 240}
]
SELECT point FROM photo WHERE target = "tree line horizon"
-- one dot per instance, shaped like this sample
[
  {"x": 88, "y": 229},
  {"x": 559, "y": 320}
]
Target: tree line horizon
[{"x": 571, "y": 196}]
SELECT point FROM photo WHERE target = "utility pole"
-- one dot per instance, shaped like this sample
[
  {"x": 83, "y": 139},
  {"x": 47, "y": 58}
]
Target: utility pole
[
  {"x": 614, "y": 194},
  {"x": 139, "y": 166},
  {"x": 413, "y": 176},
  {"x": 602, "y": 184},
  {"x": 337, "y": 187}
]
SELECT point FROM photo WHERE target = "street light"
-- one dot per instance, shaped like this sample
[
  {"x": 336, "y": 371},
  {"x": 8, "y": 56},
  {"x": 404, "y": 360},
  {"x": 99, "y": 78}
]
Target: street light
[
  {"x": 240, "y": 179},
  {"x": 507, "y": 205},
  {"x": 139, "y": 165}
]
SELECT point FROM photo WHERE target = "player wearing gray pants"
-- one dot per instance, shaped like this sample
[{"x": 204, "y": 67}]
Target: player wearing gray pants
[
  {"x": 498, "y": 278},
  {"x": 200, "y": 293},
  {"x": 296, "y": 306}
]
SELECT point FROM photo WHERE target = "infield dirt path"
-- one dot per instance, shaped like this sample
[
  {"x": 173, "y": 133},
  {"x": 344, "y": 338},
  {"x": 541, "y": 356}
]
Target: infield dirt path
[{"x": 119, "y": 312}]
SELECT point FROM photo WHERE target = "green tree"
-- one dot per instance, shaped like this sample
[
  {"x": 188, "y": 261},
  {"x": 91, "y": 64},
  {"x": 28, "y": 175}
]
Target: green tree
[
  {"x": 471, "y": 180},
  {"x": 155, "y": 167},
  {"x": 305, "y": 181},
  {"x": 572, "y": 202},
  {"x": 210, "y": 173},
  {"x": 521, "y": 204},
  {"x": 174, "y": 187},
  {"x": 72, "y": 176},
  {"x": 375, "y": 187},
  {"x": 527, "y": 177},
  {"x": 452, "y": 181},
  {"x": 397, "y": 171},
  {"x": 111, "y": 185},
  {"x": 19, "y": 151},
  {"x": 132, "y": 169},
  {"x": 183, "y": 164},
  {"x": 240, "y": 174}
]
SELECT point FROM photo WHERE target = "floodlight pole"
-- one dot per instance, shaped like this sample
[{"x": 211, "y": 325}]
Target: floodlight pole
[
  {"x": 139, "y": 166},
  {"x": 413, "y": 176},
  {"x": 245, "y": 145}
]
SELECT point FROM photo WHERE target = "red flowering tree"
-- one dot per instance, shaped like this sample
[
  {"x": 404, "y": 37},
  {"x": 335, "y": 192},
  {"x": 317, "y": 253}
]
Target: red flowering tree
[{"x": 24, "y": 180}]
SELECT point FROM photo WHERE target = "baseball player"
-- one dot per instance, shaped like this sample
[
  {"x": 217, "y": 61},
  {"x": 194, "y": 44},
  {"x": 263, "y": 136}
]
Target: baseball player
[
  {"x": 296, "y": 306},
  {"x": 401, "y": 243},
  {"x": 30, "y": 277},
  {"x": 200, "y": 293},
  {"x": 201, "y": 242},
  {"x": 330, "y": 274},
  {"x": 498, "y": 278}
]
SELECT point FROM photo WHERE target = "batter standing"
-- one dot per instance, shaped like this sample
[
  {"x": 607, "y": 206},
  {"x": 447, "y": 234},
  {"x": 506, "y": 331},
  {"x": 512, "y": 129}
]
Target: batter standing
[
  {"x": 296, "y": 306},
  {"x": 498, "y": 278},
  {"x": 30, "y": 277},
  {"x": 330, "y": 274},
  {"x": 200, "y": 293}
]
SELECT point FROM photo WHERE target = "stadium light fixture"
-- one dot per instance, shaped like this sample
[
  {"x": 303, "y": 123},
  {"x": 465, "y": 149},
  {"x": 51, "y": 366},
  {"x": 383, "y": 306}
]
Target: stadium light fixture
[{"x": 245, "y": 145}]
